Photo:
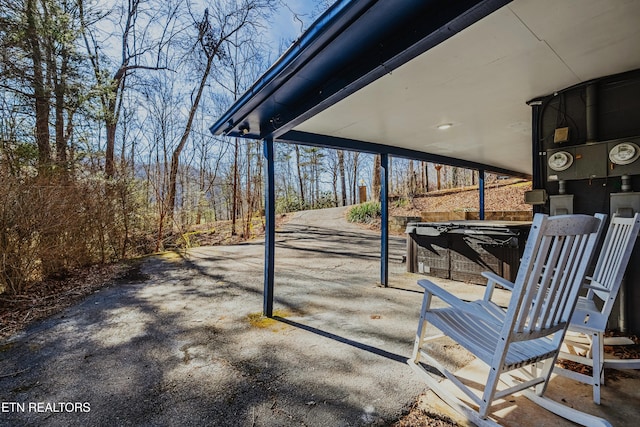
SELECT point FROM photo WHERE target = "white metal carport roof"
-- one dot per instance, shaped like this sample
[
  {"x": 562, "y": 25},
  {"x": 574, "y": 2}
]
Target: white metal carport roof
[
  {"x": 381, "y": 75},
  {"x": 479, "y": 79}
]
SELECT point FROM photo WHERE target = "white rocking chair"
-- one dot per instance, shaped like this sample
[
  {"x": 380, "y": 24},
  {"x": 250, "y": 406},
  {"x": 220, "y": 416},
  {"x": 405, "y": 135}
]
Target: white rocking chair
[
  {"x": 526, "y": 335},
  {"x": 591, "y": 321}
]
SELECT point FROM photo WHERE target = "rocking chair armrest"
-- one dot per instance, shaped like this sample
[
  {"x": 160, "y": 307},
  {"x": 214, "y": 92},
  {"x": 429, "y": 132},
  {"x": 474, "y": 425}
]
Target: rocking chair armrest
[
  {"x": 493, "y": 280},
  {"x": 594, "y": 285},
  {"x": 442, "y": 294},
  {"x": 493, "y": 277}
]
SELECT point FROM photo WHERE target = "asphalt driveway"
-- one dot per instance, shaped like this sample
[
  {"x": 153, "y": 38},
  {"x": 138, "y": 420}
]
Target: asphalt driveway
[{"x": 181, "y": 341}]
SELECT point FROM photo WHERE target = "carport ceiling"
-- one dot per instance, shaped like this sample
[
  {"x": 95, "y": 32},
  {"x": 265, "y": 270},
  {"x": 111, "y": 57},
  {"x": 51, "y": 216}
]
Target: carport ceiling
[{"x": 479, "y": 80}]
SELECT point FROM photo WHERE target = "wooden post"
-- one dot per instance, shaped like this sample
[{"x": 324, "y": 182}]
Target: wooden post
[{"x": 362, "y": 189}]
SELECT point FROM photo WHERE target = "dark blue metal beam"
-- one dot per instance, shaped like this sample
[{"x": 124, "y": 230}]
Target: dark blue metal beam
[
  {"x": 384, "y": 220},
  {"x": 481, "y": 192},
  {"x": 306, "y": 138},
  {"x": 270, "y": 232},
  {"x": 321, "y": 33}
]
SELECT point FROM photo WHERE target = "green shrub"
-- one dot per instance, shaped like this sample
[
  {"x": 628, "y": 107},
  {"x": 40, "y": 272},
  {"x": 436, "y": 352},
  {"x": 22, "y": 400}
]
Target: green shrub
[
  {"x": 401, "y": 202},
  {"x": 293, "y": 203},
  {"x": 365, "y": 212},
  {"x": 290, "y": 204}
]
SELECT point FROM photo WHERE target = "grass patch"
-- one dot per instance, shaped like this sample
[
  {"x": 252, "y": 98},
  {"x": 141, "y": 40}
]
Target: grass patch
[
  {"x": 173, "y": 256},
  {"x": 401, "y": 203},
  {"x": 364, "y": 212},
  {"x": 258, "y": 320}
]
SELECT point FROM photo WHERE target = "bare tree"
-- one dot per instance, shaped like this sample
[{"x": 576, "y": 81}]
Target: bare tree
[
  {"x": 162, "y": 110},
  {"x": 40, "y": 92},
  {"x": 343, "y": 185},
  {"x": 83, "y": 82},
  {"x": 424, "y": 176},
  {"x": 40, "y": 61},
  {"x": 375, "y": 187},
  {"x": 138, "y": 51},
  {"x": 301, "y": 177},
  {"x": 216, "y": 30},
  {"x": 353, "y": 158},
  {"x": 210, "y": 40}
]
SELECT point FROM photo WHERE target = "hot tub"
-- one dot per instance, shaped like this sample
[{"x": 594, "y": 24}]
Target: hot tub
[{"x": 461, "y": 250}]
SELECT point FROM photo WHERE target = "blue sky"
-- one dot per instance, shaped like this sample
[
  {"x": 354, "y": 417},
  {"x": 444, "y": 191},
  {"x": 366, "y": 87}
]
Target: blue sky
[{"x": 287, "y": 23}]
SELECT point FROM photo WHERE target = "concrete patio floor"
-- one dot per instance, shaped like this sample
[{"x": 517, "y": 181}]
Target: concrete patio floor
[{"x": 182, "y": 343}]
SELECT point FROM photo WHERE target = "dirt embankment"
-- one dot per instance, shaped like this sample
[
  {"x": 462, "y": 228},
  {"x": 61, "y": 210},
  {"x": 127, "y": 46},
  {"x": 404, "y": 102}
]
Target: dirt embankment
[{"x": 503, "y": 195}]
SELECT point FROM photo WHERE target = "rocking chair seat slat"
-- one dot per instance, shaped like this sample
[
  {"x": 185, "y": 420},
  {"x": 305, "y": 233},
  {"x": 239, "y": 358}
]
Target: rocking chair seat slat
[{"x": 481, "y": 334}]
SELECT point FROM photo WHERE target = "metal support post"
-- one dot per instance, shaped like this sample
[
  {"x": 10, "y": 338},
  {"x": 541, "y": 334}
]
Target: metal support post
[
  {"x": 481, "y": 192},
  {"x": 384, "y": 220},
  {"x": 270, "y": 232}
]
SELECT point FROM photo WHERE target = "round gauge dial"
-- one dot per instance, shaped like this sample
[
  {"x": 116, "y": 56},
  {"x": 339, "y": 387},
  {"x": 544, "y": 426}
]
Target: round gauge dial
[
  {"x": 560, "y": 160},
  {"x": 624, "y": 153}
]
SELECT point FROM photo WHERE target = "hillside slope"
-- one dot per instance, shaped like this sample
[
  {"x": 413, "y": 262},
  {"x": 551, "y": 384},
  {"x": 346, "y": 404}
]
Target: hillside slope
[{"x": 507, "y": 195}]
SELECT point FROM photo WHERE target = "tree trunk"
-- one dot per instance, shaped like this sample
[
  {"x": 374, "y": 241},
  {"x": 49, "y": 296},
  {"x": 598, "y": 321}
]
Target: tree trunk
[
  {"x": 234, "y": 190},
  {"x": 201, "y": 183},
  {"x": 111, "y": 123},
  {"x": 425, "y": 176},
  {"x": 175, "y": 158},
  {"x": 354, "y": 171},
  {"x": 316, "y": 172},
  {"x": 343, "y": 184},
  {"x": 258, "y": 186},
  {"x": 439, "y": 178},
  {"x": 412, "y": 179},
  {"x": 39, "y": 88},
  {"x": 60, "y": 88},
  {"x": 297, "y": 148},
  {"x": 392, "y": 188},
  {"x": 334, "y": 186},
  {"x": 110, "y": 98},
  {"x": 375, "y": 190}
]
